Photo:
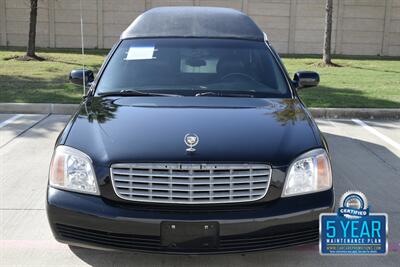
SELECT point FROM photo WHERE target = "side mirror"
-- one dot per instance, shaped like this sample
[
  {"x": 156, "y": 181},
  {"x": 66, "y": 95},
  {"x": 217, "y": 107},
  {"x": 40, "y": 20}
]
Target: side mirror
[
  {"x": 76, "y": 76},
  {"x": 305, "y": 79}
]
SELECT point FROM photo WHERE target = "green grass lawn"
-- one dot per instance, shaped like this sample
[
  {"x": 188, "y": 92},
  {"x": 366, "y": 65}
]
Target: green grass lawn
[
  {"x": 44, "y": 81},
  {"x": 360, "y": 82}
]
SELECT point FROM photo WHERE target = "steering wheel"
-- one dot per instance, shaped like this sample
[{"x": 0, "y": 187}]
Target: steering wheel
[{"x": 238, "y": 74}]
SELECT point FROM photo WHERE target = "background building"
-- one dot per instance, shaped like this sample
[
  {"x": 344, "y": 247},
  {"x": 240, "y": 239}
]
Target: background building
[{"x": 360, "y": 27}]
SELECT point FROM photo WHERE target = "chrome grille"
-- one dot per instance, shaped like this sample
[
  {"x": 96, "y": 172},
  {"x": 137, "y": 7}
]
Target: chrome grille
[{"x": 190, "y": 183}]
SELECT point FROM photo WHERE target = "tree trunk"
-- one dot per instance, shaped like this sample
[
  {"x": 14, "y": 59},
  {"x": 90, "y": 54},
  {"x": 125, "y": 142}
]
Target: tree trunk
[
  {"x": 32, "y": 29},
  {"x": 326, "y": 56}
]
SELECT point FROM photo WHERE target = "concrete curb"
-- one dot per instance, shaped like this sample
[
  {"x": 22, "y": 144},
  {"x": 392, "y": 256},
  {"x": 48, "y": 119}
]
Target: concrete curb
[
  {"x": 360, "y": 113},
  {"x": 329, "y": 113},
  {"x": 38, "y": 108}
]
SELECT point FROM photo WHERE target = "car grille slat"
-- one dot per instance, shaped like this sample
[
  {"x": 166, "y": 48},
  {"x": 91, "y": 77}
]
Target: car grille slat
[
  {"x": 187, "y": 182},
  {"x": 194, "y": 175},
  {"x": 172, "y": 188},
  {"x": 190, "y": 183}
]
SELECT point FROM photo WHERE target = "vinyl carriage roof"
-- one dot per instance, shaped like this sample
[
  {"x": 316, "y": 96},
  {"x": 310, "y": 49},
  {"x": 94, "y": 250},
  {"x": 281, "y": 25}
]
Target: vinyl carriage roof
[{"x": 198, "y": 22}]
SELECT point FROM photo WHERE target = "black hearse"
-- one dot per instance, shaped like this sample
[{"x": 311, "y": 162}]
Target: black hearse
[{"x": 191, "y": 139}]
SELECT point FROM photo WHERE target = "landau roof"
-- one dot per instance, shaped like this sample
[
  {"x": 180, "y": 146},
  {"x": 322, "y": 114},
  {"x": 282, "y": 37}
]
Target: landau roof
[{"x": 205, "y": 22}]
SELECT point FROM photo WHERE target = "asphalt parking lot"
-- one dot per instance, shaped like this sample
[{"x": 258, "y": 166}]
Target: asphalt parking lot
[{"x": 366, "y": 157}]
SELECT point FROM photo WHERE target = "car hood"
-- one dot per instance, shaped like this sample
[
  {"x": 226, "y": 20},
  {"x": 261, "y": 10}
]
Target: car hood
[{"x": 152, "y": 129}]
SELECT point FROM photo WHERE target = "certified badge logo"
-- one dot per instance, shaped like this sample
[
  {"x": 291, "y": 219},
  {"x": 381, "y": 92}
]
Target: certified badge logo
[
  {"x": 353, "y": 230},
  {"x": 355, "y": 205}
]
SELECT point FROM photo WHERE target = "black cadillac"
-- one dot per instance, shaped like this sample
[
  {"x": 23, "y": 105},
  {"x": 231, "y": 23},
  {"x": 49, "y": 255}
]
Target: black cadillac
[{"x": 191, "y": 139}]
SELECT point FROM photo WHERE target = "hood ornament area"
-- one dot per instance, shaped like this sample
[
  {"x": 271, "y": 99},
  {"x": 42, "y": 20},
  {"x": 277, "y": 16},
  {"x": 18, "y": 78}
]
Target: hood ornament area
[{"x": 191, "y": 140}]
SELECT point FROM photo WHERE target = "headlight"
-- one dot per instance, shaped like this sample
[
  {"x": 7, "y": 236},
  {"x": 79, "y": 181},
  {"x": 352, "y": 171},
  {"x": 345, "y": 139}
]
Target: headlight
[
  {"x": 309, "y": 173},
  {"x": 72, "y": 170}
]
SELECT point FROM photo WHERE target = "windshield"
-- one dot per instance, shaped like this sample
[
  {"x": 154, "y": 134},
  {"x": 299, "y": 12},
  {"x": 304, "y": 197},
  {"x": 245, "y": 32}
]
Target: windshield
[{"x": 189, "y": 66}]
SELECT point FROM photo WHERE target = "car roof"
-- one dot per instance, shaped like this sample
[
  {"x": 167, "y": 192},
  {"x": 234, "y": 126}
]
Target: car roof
[{"x": 197, "y": 22}]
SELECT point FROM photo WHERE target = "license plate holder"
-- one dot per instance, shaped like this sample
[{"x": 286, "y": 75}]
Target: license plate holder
[{"x": 189, "y": 235}]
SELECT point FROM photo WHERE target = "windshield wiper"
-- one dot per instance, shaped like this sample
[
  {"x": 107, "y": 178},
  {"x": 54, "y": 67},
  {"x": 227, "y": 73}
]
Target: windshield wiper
[
  {"x": 210, "y": 93},
  {"x": 132, "y": 92},
  {"x": 207, "y": 94}
]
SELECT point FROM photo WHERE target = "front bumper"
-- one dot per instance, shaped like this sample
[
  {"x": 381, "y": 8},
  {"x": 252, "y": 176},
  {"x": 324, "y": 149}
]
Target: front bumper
[{"x": 91, "y": 221}]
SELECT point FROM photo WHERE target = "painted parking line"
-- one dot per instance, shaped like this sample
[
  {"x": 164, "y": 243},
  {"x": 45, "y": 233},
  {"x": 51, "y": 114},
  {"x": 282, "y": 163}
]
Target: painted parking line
[
  {"x": 17, "y": 125},
  {"x": 376, "y": 133},
  {"x": 10, "y": 120}
]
